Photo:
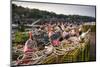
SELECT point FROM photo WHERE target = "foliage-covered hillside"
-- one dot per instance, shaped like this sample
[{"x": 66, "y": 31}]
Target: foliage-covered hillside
[{"x": 22, "y": 12}]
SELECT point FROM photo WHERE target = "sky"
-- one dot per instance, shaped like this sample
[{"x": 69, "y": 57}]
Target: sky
[{"x": 67, "y": 9}]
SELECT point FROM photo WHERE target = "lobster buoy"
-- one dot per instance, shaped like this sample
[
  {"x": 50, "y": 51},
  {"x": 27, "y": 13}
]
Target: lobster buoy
[
  {"x": 29, "y": 45},
  {"x": 55, "y": 42},
  {"x": 83, "y": 35},
  {"x": 49, "y": 49}
]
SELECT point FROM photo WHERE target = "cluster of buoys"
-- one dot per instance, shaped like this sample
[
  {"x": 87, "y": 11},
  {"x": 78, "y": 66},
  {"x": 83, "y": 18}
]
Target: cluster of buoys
[{"x": 52, "y": 47}]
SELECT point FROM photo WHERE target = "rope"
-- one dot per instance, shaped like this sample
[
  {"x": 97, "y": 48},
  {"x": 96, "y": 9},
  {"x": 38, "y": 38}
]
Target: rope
[
  {"x": 35, "y": 56},
  {"x": 57, "y": 52},
  {"x": 39, "y": 56}
]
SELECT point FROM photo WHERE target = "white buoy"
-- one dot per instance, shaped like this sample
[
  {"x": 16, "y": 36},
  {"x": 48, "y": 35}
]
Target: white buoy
[
  {"x": 49, "y": 49},
  {"x": 83, "y": 35}
]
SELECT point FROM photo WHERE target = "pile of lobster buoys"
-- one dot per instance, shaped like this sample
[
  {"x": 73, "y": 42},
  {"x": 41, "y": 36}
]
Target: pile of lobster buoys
[
  {"x": 64, "y": 53},
  {"x": 80, "y": 53}
]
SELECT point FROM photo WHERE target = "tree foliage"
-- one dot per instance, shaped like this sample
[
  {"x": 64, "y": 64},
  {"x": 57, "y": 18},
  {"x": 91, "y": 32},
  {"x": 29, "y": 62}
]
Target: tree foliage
[
  {"x": 20, "y": 37},
  {"x": 36, "y": 14}
]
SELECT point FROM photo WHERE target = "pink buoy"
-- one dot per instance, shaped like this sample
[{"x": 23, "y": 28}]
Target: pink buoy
[
  {"x": 56, "y": 42},
  {"x": 28, "y": 44}
]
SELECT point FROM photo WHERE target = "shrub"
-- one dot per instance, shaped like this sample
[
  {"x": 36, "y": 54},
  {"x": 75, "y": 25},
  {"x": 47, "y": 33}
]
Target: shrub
[{"x": 20, "y": 37}]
